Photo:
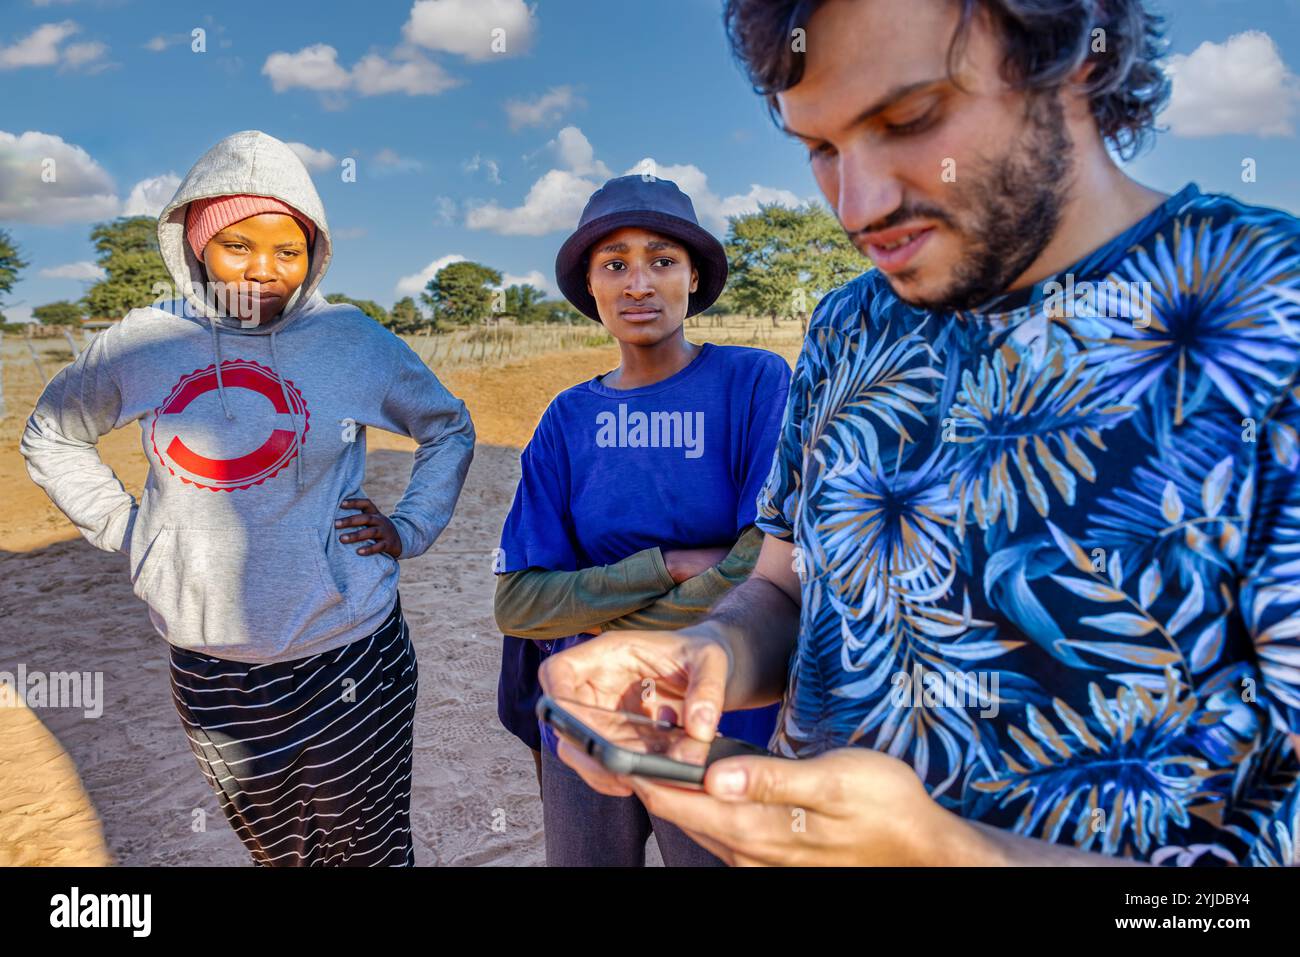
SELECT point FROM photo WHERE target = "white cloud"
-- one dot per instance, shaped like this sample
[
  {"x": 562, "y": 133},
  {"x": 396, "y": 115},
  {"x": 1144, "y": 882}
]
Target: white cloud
[
  {"x": 711, "y": 209},
  {"x": 317, "y": 68},
  {"x": 471, "y": 27},
  {"x": 544, "y": 110},
  {"x": 15, "y": 313},
  {"x": 414, "y": 284},
  {"x": 446, "y": 210},
  {"x": 389, "y": 160},
  {"x": 162, "y": 41},
  {"x": 77, "y": 55},
  {"x": 553, "y": 203},
  {"x": 79, "y": 190},
  {"x": 313, "y": 158},
  {"x": 314, "y": 68},
  {"x": 417, "y": 76},
  {"x": 575, "y": 153},
  {"x": 490, "y": 168},
  {"x": 41, "y": 47},
  {"x": 84, "y": 270},
  {"x": 1239, "y": 86},
  {"x": 149, "y": 196},
  {"x": 38, "y": 48},
  {"x": 741, "y": 203},
  {"x": 532, "y": 278}
]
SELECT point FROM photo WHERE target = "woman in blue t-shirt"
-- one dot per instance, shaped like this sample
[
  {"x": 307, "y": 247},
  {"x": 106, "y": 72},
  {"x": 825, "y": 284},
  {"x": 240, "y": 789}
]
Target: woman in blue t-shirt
[{"x": 637, "y": 496}]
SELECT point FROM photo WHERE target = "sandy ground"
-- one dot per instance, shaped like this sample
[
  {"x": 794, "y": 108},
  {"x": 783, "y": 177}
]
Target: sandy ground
[{"x": 124, "y": 787}]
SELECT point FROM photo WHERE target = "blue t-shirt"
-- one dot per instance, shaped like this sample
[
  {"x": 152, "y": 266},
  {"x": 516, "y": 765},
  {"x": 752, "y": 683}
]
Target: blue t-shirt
[
  {"x": 611, "y": 472},
  {"x": 1050, "y": 548}
]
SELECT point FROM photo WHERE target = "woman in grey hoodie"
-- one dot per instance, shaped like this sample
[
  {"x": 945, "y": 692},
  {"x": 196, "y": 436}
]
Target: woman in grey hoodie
[{"x": 292, "y": 669}]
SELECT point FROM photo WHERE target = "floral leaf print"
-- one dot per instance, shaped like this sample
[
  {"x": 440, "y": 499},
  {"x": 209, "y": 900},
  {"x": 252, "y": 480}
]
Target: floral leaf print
[
  {"x": 861, "y": 386},
  {"x": 886, "y": 540},
  {"x": 1119, "y": 623},
  {"x": 1126, "y": 624},
  {"x": 1149, "y": 585},
  {"x": 1279, "y": 844},
  {"x": 1115, "y": 567},
  {"x": 1284, "y": 444},
  {"x": 1031, "y": 425},
  {"x": 1192, "y": 856},
  {"x": 1121, "y": 775},
  {"x": 1214, "y": 491},
  {"x": 1283, "y": 438},
  {"x": 1188, "y": 611},
  {"x": 1208, "y": 645},
  {"x": 888, "y": 545},
  {"x": 1158, "y": 515},
  {"x": 1171, "y": 505},
  {"x": 1093, "y": 591},
  {"x": 1073, "y": 552},
  {"x": 1214, "y": 314},
  {"x": 1262, "y": 806}
]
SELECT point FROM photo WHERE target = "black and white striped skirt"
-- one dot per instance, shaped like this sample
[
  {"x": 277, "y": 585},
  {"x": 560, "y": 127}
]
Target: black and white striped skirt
[{"x": 310, "y": 759}]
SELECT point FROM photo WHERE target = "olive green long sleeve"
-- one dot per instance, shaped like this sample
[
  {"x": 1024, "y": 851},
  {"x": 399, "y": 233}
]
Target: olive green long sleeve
[
  {"x": 540, "y": 604},
  {"x": 637, "y": 592},
  {"x": 687, "y": 602}
]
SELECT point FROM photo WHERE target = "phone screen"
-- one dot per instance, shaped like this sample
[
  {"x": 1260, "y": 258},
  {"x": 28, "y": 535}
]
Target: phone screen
[{"x": 641, "y": 734}]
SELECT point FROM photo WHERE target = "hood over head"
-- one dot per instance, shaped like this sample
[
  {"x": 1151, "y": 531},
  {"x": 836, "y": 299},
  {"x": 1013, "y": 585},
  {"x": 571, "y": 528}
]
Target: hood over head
[{"x": 246, "y": 162}]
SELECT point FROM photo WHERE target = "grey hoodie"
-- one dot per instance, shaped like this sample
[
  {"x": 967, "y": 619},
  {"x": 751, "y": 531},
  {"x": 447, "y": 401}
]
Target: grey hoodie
[{"x": 254, "y": 436}]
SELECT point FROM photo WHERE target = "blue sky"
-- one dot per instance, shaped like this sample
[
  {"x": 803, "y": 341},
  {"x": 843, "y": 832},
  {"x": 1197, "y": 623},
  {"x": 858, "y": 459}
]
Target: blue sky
[{"x": 460, "y": 151}]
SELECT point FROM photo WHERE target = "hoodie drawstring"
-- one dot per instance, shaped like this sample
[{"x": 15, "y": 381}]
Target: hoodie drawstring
[
  {"x": 216, "y": 351},
  {"x": 284, "y": 390}
]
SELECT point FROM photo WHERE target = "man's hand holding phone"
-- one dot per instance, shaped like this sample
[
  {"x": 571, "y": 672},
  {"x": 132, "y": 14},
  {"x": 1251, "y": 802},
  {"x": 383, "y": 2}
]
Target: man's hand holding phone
[{"x": 678, "y": 676}]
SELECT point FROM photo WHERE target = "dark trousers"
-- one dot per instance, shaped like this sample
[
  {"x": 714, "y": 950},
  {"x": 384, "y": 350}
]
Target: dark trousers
[{"x": 587, "y": 829}]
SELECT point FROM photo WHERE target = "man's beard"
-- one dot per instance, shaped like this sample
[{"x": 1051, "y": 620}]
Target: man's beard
[{"x": 1013, "y": 210}]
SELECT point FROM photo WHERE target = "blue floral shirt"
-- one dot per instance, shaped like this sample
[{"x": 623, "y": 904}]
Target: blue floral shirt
[{"x": 1049, "y": 549}]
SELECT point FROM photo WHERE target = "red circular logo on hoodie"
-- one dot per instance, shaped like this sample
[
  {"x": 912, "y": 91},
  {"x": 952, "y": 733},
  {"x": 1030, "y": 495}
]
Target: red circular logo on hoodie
[{"x": 242, "y": 471}]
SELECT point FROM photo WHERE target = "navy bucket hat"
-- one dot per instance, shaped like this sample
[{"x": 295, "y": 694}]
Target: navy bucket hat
[{"x": 650, "y": 203}]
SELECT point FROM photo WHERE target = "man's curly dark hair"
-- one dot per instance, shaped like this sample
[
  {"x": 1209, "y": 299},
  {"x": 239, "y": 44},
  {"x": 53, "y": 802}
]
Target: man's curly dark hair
[{"x": 1044, "y": 42}]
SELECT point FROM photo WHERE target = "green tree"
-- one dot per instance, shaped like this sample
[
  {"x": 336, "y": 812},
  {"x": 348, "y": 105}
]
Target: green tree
[
  {"x": 782, "y": 260},
  {"x": 406, "y": 316},
  {"x": 559, "y": 312},
  {"x": 525, "y": 303},
  {"x": 371, "y": 308},
  {"x": 11, "y": 263},
  {"x": 62, "y": 313},
  {"x": 461, "y": 293},
  {"x": 127, "y": 250}
]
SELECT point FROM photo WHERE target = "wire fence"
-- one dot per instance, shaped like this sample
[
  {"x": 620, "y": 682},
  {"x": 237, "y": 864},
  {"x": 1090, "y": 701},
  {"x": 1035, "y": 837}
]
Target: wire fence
[{"x": 28, "y": 363}]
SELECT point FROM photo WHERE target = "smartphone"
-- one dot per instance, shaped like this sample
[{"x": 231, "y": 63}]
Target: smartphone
[{"x": 624, "y": 742}]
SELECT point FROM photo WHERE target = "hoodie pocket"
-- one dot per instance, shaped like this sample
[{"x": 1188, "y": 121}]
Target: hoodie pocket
[{"x": 260, "y": 588}]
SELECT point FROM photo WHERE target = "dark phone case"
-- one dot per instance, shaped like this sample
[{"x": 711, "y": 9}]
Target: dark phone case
[{"x": 622, "y": 761}]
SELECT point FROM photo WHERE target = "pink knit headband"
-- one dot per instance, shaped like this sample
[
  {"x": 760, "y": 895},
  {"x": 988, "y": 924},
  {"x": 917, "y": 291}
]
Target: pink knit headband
[{"x": 204, "y": 218}]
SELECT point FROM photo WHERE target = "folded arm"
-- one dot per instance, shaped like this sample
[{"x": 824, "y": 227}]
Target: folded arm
[
  {"x": 540, "y": 604},
  {"x": 687, "y": 603}
]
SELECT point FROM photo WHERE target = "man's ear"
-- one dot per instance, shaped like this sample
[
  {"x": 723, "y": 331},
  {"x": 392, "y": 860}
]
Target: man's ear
[{"x": 695, "y": 279}]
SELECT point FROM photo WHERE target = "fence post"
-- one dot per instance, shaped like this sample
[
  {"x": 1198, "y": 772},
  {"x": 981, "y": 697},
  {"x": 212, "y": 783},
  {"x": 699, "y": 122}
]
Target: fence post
[{"x": 36, "y": 360}]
